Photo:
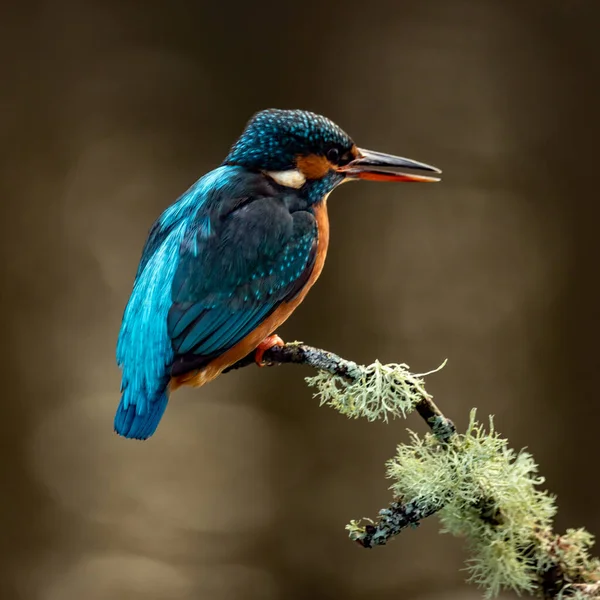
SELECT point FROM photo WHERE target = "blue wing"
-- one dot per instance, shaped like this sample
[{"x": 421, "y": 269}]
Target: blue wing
[
  {"x": 216, "y": 263},
  {"x": 233, "y": 272},
  {"x": 144, "y": 350}
]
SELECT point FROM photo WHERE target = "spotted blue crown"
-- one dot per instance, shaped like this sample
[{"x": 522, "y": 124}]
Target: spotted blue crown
[{"x": 273, "y": 138}]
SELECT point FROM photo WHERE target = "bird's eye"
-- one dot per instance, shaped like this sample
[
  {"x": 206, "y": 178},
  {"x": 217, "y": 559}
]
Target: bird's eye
[{"x": 333, "y": 155}]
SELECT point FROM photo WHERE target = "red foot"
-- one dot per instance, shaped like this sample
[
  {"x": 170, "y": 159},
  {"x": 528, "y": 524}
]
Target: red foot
[{"x": 266, "y": 344}]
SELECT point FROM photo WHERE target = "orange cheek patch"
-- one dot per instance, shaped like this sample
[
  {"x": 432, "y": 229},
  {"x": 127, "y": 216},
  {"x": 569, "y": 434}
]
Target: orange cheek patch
[{"x": 313, "y": 166}]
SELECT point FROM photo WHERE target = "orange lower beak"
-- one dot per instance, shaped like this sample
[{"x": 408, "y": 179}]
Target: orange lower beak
[{"x": 377, "y": 166}]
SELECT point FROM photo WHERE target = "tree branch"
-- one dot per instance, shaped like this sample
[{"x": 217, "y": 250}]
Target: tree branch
[
  {"x": 558, "y": 566},
  {"x": 397, "y": 517},
  {"x": 301, "y": 354}
]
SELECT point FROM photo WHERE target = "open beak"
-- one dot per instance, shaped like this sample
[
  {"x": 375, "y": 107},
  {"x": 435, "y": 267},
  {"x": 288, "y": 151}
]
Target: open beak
[{"x": 377, "y": 166}]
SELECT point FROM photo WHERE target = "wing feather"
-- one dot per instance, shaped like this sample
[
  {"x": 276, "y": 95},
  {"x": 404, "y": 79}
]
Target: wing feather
[{"x": 227, "y": 283}]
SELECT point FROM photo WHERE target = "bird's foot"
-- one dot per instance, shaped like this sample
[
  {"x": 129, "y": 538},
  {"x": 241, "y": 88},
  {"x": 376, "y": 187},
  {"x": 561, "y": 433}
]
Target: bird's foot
[{"x": 266, "y": 344}]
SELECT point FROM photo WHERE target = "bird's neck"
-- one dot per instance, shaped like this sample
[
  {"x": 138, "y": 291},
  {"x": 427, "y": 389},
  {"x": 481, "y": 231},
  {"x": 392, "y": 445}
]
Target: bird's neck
[{"x": 313, "y": 191}]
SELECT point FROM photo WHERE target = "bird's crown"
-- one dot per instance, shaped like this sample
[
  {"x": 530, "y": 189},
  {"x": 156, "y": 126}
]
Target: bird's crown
[{"x": 274, "y": 139}]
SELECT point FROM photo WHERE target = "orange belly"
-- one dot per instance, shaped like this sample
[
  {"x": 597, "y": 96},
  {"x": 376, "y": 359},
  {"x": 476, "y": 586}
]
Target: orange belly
[{"x": 270, "y": 324}]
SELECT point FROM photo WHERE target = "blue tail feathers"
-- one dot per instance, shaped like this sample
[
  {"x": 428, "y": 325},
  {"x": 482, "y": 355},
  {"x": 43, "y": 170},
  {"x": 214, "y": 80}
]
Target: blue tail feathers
[
  {"x": 139, "y": 420},
  {"x": 144, "y": 350}
]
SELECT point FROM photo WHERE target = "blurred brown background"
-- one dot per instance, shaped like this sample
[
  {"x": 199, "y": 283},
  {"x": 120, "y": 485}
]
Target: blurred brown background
[{"x": 110, "y": 109}]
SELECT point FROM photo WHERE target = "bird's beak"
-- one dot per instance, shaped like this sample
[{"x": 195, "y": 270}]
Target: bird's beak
[{"x": 377, "y": 166}]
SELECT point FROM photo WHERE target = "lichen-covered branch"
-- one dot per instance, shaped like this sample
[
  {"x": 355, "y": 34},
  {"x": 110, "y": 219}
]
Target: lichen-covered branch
[
  {"x": 479, "y": 488},
  {"x": 365, "y": 389},
  {"x": 391, "y": 521},
  {"x": 301, "y": 354}
]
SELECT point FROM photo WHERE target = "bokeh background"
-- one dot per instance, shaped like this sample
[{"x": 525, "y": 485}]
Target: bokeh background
[{"x": 109, "y": 109}]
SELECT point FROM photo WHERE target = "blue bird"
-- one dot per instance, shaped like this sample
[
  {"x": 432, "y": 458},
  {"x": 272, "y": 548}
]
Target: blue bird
[{"x": 231, "y": 259}]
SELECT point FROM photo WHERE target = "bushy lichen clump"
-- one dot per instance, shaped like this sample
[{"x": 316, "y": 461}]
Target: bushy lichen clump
[
  {"x": 571, "y": 553},
  {"x": 488, "y": 494},
  {"x": 480, "y": 489},
  {"x": 380, "y": 392}
]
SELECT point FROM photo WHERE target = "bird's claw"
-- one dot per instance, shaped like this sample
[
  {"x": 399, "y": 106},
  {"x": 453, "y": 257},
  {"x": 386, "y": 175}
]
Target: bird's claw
[{"x": 266, "y": 344}]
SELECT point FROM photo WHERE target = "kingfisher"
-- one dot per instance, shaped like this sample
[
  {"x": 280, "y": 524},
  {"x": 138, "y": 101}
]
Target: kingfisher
[{"x": 227, "y": 263}]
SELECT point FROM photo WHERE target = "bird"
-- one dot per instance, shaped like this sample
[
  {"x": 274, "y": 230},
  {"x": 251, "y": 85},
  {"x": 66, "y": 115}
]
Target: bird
[{"x": 226, "y": 264}]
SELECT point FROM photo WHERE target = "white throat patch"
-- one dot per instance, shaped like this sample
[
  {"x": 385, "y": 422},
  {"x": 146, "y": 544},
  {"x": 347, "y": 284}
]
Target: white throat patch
[{"x": 292, "y": 178}]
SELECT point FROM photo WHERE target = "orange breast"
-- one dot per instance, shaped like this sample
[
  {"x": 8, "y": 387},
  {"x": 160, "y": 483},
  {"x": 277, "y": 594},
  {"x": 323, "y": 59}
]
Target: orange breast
[{"x": 271, "y": 323}]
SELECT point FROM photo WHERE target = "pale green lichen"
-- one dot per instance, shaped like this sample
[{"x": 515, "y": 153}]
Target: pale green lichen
[
  {"x": 571, "y": 551},
  {"x": 356, "y": 529},
  {"x": 489, "y": 494},
  {"x": 480, "y": 488},
  {"x": 573, "y": 547},
  {"x": 380, "y": 392}
]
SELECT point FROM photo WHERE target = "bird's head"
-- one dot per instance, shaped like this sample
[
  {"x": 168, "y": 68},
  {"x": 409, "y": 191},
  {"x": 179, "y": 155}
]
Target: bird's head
[{"x": 302, "y": 150}]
